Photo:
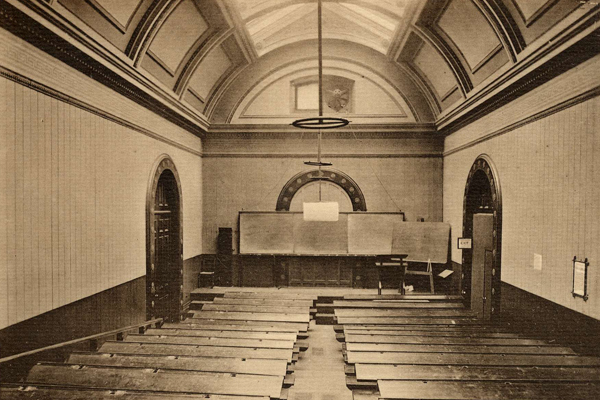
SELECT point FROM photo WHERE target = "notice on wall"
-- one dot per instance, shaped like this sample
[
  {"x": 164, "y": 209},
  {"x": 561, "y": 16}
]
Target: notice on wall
[
  {"x": 537, "y": 262},
  {"x": 579, "y": 271}
]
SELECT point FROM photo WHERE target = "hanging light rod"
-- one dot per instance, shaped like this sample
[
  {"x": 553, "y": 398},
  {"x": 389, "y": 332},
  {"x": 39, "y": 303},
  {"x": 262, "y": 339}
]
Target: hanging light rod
[{"x": 320, "y": 122}]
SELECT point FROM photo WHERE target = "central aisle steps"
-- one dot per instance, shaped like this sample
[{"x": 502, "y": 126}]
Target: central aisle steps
[
  {"x": 429, "y": 347},
  {"x": 222, "y": 353}
]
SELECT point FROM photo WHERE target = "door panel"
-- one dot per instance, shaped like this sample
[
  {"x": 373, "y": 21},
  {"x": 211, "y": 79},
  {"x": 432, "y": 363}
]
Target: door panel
[{"x": 483, "y": 225}]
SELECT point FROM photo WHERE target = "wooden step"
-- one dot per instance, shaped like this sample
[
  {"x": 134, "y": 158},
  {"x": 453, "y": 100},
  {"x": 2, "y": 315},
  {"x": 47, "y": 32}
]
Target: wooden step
[
  {"x": 465, "y": 349},
  {"x": 487, "y": 390},
  {"x": 156, "y": 380},
  {"x": 196, "y": 351},
  {"x": 374, "y": 372},
  {"x": 41, "y": 392},
  {"x": 208, "y": 341},
  {"x": 324, "y": 319},
  {"x": 500, "y": 360},
  {"x": 206, "y": 364},
  {"x": 196, "y": 305},
  {"x": 271, "y": 295},
  {"x": 354, "y": 384},
  {"x": 248, "y": 316},
  {"x": 224, "y": 334}
]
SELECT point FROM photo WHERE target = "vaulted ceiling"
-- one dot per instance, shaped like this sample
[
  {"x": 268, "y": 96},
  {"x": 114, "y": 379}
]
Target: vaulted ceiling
[{"x": 220, "y": 63}]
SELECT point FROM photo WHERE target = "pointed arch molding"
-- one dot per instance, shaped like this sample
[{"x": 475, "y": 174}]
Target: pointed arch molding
[
  {"x": 484, "y": 164},
  {"x": 330, "y": 175},
  {"x": 162, "y": 164}
]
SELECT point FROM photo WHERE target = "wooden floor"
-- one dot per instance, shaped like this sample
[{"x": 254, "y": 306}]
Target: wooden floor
[{"x": 261, "y": 343}]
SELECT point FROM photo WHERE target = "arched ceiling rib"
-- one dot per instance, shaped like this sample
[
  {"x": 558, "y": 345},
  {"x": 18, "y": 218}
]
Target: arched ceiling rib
[{"x": 435, "y": 54}]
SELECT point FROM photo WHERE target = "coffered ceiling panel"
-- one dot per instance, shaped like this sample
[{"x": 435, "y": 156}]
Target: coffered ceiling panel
[
  {"x": 120, "y": 10},
  {"x": 469, "y": 30},
  {"x": 435, "y": 70},
  {"x": 208, "y": 72},
  {"x": 177, "y": 35}
]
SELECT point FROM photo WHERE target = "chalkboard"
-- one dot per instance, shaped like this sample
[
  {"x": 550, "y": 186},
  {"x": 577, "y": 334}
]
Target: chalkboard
[
  {"x": 358, "y": 233},
  {"x": 312, "y": 237},
  {"x": 266, "y": 233},
  {"x": 422, "y": 241},
  {"x": 371, "y": 233}
]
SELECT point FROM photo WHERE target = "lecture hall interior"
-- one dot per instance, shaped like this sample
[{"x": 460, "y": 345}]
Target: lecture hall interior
[{"x": 299, "y": 199}]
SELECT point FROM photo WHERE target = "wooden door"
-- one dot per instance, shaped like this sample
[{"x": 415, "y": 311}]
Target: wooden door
[
  {"x": 165, "y": 275},
  {"x": 481, "y": 273}
]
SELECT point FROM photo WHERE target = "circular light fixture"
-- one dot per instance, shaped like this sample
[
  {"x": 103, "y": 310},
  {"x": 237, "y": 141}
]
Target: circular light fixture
[{"x": 320, "y": 123}]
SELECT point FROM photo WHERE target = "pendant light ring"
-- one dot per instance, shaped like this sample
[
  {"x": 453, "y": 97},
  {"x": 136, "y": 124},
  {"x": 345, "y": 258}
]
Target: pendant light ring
[{"x": 320, "y": 123}]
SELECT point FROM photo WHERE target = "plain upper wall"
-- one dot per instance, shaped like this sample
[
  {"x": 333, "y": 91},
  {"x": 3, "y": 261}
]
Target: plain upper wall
[
  {"x": 550, "y": 180},
  {"x": 247, "y": 174},
  {"x": 74, "y": 181}
]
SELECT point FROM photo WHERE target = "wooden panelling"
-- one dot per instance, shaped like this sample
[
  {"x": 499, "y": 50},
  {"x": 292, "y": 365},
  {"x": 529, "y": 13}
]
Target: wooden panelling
[
  {"x": 549, "y": 179},
  {"x": 119, "y": 306},
  {"x": 74, "y": 188}
]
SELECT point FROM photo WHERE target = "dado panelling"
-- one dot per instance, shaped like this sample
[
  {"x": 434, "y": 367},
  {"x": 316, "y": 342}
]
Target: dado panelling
[
  {"x": 73, "y": 199},
  {"x": 550, "y": 183}
]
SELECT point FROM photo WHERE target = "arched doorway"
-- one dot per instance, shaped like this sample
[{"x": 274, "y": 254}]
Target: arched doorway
[
  {"x": 482, "y": 221},
  {"x": 164, "y": 249}
]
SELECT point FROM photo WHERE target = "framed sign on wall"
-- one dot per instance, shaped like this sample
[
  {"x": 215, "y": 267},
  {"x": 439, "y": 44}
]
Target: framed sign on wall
[{"x": 580, "y": 270}]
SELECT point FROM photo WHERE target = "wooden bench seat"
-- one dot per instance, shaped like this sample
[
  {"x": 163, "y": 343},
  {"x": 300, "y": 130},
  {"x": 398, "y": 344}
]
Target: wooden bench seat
[
  {"x": 156, "y": 381},
  {"x": 500, "y": 360},
  {"x": 441, "y": 340},
  {"x": 208, "y": 341},
  {"x": 394, "y": 304},
  {"x": 289, "y": 326},
  {"x": 271, "y": 295},
  {"x": 227, "y": 326},
  {"x": 444, "y": 348},
  {"x": 248, "y": 316},
  {"x": 196, "y": 351},
  {"x": 374, "y": 372},
  {"x": 207, "y": 364},
  {"x": 257, "y": 309},
  {"x": 404, "y": 321},
  {"x": 264, "y": 302},
  {"x": 418, "y": 313},
  {"x": 392, "y": 296},
  {"x": 450, "y": 332},
  {"x": 487, "y": 390},
  {"x": 223, "y": 334},
  {"x": 39, "y": 392},
  {"x": 474, "y": 327}
]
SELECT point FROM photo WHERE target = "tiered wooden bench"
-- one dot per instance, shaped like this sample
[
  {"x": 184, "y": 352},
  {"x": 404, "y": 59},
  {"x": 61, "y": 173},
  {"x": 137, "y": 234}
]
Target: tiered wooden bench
[
  {"x": 430, "y": 347},
  {"x": 224, "y": 351}
]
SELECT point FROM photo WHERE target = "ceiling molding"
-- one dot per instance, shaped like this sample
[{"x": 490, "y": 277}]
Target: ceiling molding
[
  {"x": 147, "y": 28},
  {"x": 242, "y": 35},
  {"x": 200, "y": 50},
  {"x": 504, "y": 25},
  {"x": 40, "y": 25},
  {"x": 453, "y": 61},
  {"x": 555, "y": 57},
  {"x": 402, "y": 130}
]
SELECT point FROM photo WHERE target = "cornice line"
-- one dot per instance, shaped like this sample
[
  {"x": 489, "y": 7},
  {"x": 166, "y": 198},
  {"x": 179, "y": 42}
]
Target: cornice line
[
  {"x": 580, "y": 98},
  {"x": 39, "y": 87},
  {"x": 325, "y": 155}
]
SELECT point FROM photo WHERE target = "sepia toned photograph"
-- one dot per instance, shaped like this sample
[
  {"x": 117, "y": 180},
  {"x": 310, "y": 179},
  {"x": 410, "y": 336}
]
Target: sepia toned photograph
[{"x": 299, "y": 199}]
